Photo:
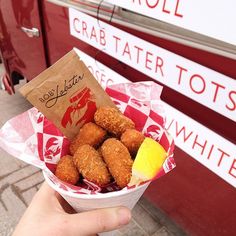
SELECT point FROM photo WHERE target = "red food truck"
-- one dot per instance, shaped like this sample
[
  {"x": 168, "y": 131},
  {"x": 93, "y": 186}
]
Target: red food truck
[{"x": 172, "y": 43}]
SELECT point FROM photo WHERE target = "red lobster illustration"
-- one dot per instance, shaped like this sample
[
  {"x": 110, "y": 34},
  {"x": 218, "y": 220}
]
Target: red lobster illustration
[
  {"x": 81, "y": 100},
  {"x": 51, "y": 149},
  {"x": 153, "y": 131},
  {"x": 170, "y": 163}
]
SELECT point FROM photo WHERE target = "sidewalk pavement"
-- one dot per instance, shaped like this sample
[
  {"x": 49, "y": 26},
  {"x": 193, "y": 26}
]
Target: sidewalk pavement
[{"x": 20, "y": 181}]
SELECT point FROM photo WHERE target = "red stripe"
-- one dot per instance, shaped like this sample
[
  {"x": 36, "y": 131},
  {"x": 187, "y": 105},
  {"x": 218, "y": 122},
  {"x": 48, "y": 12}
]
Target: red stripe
[
  {"x": 157, "y": 118},
  {"x": 117, "y": 95}
]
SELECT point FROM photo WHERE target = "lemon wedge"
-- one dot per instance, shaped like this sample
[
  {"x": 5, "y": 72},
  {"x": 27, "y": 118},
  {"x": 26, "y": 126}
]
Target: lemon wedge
[{"x": 149, "y": 159}]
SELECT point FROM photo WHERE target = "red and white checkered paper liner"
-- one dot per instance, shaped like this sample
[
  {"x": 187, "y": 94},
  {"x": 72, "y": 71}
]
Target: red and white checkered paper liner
[{"x": 35, "y": 140}]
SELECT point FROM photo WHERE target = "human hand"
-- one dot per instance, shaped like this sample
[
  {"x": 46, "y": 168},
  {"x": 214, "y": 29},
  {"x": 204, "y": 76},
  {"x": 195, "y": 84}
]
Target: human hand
[{"x": 49, "y": 214}]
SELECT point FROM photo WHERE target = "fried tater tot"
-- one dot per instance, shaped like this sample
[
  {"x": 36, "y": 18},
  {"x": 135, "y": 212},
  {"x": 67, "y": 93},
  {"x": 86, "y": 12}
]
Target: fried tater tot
[
  {"x": 89, "y": 133},
  {"x": 91, "y": 165},
  {"x": 118, "y": 161},
  {"x": 132, "y": 139},
  {"x": 112, "y": 120},
  {"x": 66, "y": 170}
]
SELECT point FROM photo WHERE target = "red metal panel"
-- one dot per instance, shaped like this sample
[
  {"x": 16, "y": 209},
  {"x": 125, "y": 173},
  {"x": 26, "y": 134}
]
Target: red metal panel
[
  {"x": 21, "y": 53},
  {"x": 196, "y": 198}
]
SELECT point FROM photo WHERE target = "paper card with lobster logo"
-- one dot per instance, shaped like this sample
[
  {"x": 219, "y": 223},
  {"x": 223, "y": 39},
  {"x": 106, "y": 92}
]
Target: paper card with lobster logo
[{"x": 67, "y": 94}]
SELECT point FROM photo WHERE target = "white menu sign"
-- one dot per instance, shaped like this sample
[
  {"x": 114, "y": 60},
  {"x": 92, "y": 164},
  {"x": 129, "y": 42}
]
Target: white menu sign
[
  {"x": 213, "y": 18},
  {"x": 208, "y": 87},
  {"x": 205, "y": 146}
]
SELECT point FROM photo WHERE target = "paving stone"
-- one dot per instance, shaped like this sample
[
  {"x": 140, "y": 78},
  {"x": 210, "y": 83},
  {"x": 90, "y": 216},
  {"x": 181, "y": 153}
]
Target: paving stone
[
  {"x": 163, "y": 232},
  {"x": 12, "y": 105},
  {"x": 6, "y": 227},
  {"x": 30, "y": 181},
  {"x": 132, "y": 229},
  {"x": 8, "y": 163},
  {"x": 28, "y": 195},
  {"x": 118, "y": 233},
  {"x": 13, "y": 205},
  {"x": 17, "y": 175},
  {"x": 38, "y": 186},
  {"x": 145, "y": 220},
  {"x": 163, "y": 218}
]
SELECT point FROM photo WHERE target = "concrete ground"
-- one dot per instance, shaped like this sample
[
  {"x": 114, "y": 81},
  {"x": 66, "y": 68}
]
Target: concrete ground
[{"x": 20, "y": 181}]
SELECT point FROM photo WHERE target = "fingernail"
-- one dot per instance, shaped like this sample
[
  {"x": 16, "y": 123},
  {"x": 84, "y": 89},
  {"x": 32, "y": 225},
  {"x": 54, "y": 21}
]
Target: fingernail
[{"x": 124, "y": 215}]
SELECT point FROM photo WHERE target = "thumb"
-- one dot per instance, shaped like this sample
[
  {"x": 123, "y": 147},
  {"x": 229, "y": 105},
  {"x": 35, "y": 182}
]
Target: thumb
[{"x": 97, "y": 221}]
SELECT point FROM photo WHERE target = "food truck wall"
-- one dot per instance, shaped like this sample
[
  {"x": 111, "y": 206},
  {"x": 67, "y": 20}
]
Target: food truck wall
[
  {"x": 197, "y": 199},
  {"x": 197, "y": 195}
]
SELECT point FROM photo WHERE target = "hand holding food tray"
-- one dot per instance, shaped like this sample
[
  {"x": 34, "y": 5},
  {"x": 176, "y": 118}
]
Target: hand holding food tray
[{"x": 71, "y": 99}]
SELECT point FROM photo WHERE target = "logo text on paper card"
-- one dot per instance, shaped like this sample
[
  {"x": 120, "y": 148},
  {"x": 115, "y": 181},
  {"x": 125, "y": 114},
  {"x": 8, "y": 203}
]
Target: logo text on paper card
[{"x": 51, "y": 97}]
